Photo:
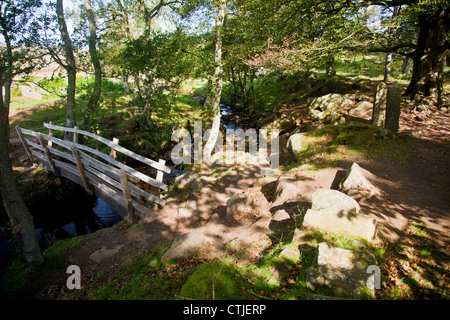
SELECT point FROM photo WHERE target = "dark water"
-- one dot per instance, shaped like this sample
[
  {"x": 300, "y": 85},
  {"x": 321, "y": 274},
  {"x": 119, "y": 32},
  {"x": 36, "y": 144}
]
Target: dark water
[{"x": 62, "y": 219}]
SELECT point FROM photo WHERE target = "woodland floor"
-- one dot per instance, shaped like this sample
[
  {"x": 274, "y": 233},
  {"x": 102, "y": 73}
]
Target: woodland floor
[{"x": 414, "y": 190}]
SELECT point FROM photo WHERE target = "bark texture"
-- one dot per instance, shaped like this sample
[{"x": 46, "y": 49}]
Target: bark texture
[
  {"x": 70, "y": 66},
  {"x": 217, "y": 82},
  {"x": 95, "y": 97},
  {"x": 19, "y": 216}
]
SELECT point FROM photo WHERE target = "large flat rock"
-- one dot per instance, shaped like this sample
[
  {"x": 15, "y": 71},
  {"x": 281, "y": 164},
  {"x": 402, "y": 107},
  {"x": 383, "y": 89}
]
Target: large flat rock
[
  {"x": 336, "y": 220},
  {"x": 345, "y": 272},
  {"x": 334, "y": 211},
  {"x": 326, "y": 198}
]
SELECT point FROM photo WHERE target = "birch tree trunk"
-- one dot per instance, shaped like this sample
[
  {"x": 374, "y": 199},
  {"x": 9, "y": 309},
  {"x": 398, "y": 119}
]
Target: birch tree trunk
[
  {"x": 217, "y": 83},
  {"x": 388, "y": 67}
]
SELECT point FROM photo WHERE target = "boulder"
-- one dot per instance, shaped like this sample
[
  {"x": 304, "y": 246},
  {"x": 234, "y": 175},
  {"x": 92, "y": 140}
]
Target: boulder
[
  {"x": 327, "y": 108},
  {"x": 336, "y": 220},
  {"x": 295, "y": 143},
  {"x": 362, "y": 109},
  {"x": 199, "y": 99},
  {"x": 345, "y": 272},
  {"x": 287, "y": 188},
  {"x": 358, "y": 183},
  {"x": 323, "y": 103},
  {"x": 334, "y": 211},
  {"x": 325, "y": 198},
  {"x": 239, "y": 208},
  {"x": 185, "y": 245},
  {"x": 281, "y": 215},
  {"x": 103, "y": 253}
]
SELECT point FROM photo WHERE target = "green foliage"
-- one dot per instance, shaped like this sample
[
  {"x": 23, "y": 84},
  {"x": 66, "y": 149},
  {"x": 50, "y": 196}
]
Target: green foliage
[
  {"x": 54, "y": 86},
  {"x": 15, "y": 92},
  {"x": 411, "y": 268}
]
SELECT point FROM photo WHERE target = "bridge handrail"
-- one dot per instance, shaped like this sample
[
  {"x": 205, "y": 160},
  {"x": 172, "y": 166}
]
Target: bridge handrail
[
  {"x": 112, "y": 145},
  {"x": 91, "y": 169},
  {"x": 69, "y": 145}
]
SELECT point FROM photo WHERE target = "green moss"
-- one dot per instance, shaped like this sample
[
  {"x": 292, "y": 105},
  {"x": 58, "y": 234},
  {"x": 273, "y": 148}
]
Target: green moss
[{"x": 215, "y": 280}]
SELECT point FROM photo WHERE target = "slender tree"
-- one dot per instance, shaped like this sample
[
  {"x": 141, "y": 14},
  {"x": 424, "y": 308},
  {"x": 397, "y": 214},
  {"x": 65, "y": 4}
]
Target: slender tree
[
  {"x": 18, "y": 58},
  {"x": 19, "y": 216},
  {"x": 217, "y": 81},
  {"x": 70, "y": 66},
  {"x": 93, "y": 52}
]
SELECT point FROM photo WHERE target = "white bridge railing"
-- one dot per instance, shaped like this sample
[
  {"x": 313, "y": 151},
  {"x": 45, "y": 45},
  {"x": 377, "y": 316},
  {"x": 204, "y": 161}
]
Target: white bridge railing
[{"x": 101, "y": 174}]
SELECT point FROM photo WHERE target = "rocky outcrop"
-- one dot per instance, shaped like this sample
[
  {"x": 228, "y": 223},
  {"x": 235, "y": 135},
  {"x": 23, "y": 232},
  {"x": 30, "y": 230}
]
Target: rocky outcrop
[
  {"x": 362, "y": 109},
  {"x": 327, "y": 108},
  {"x": 325, "y": 199},
  {"x": 285, "y": 123},
  {"x": 103, "y": 253},
  {"x": 185, "y": 245}
]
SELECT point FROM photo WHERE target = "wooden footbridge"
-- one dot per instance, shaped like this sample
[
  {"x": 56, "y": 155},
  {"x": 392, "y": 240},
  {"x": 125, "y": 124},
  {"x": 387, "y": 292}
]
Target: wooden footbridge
[{"x": 99, "y": 173}]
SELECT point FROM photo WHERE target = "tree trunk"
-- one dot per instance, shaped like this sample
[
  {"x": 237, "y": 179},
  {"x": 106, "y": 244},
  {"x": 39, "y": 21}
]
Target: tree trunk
[
  {"x": 70, "y": 67},
  {"x": 8, "y": 73},
  {"x": 19, "y": 216},
  {"x": 252, "y": 93},
  {"x": 125, "y": 82},
  {"x": 428, "y": 58},
  {"x": 217, "y": 82},
  {"x": 388, "y": 67},
  {"x": 95, "y": 97},
  {"x": 388, "y": 64},
  {"x": 407, "y": 61},
  {"x": 330, "y": 67}
]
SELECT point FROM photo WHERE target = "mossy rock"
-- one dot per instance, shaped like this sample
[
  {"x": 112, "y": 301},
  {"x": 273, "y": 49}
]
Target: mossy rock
[{"x": 228, "y": 285}]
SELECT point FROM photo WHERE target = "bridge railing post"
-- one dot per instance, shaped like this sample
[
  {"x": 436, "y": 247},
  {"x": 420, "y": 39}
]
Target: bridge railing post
[
  {"x": 50, "y": 133},
  {"x": 80, "y": 166},
  {"x": 159, "y": 178},
  {"x": 131, "y": 217},
  {"x": 24, "y": 142},
  {"x": 48, "y": 155}
]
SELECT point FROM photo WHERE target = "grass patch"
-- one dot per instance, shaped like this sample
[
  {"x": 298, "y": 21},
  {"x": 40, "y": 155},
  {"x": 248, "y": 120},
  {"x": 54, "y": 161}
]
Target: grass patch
[{"x": 327, "y": 146}]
